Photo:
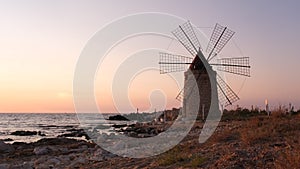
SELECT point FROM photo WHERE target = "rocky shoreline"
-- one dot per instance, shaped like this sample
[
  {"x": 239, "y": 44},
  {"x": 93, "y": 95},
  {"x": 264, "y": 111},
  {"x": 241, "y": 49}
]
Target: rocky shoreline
[
  {"x": 51, "y": 153},
  {"x": 239, "y": 142}
]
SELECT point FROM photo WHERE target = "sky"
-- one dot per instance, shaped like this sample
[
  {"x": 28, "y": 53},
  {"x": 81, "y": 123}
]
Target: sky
[{"x": 41, "y": 42}]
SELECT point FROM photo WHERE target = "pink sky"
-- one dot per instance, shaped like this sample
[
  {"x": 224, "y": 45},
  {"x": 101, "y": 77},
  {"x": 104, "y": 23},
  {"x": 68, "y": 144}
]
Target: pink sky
[{"x": 41, "y": 42}]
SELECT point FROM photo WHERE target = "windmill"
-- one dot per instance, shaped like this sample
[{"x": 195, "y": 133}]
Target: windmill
[{"x": 204, "y": 68}]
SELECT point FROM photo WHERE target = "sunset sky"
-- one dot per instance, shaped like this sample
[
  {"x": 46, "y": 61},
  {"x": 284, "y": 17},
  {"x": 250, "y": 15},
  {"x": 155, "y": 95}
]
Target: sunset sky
[{"x": 40, "y": 42}]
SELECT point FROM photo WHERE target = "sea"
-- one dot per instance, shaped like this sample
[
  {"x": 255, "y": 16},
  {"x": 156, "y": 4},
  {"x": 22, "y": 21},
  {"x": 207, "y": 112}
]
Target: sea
[{"x": 51, "y": 125}]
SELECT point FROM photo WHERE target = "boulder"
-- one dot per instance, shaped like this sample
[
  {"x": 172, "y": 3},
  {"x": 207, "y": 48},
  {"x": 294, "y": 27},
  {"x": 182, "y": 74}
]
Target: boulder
[{"x": 118, "y": 118}]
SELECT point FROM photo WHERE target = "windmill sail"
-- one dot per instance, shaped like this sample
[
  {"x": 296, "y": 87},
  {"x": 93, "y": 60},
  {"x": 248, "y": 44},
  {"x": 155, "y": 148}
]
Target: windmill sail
[
  {"x": 180, "y": 96},
  {"x": 187, "y": 37},
  {"x": 173, "y": 63},
  {"x": 238, "y": 65},
  {"x": 226, "y": 94},
  {"x": 219, "y": 38}
]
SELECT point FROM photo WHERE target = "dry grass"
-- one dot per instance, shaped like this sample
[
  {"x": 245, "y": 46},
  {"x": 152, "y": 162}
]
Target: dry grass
[
  {"x": 259, "y": 129},
  {"x": 290, "y": 156},
  {"x": 280, "y": 127},
  {"x": 172, "y": 157},
  {"x": 181, "y": 156},
  {"x": 288, "y": 159},
  {"x": 255, "y": 141}
]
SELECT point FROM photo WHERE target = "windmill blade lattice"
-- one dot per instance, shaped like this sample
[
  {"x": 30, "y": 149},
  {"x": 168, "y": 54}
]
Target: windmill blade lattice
[
  {"x": 173, "y": 63},
  {"x": 238, "y": 65},
  {"x": 219, "y": 38},
  {"x": 187, "y": 37},
  {"x": 180, "y": 95},
  {"x": 226, "y": 94}
]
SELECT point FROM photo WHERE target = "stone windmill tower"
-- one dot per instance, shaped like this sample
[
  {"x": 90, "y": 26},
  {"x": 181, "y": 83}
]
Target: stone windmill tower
[{"x": 201, "y": 72}]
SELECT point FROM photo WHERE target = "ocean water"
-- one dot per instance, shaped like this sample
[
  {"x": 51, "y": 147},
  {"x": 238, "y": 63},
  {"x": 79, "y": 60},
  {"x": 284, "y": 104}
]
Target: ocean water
[{"x": 50, "y": 124}]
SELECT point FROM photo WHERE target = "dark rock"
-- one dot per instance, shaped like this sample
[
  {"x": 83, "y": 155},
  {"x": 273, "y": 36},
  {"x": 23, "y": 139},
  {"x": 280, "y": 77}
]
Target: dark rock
[
  {"x": 118, "y": 117},
  {"x": 20, "y": 143},
  {"x": 142, "y": 130},
  {"x": 76, "y": 133},
  {"x": 132, "y": 134},
  {"x": 41, "y": 134},
  {"x": 119, "y": 125},
  {"x": 24, "y": 133},
  {"x": 7, "y": 139},
  {"x": 55, "y": 141},
  {"x": 48, "y": 126},
  {"x": 68, "y": 126},
  {"x": 5, "y": 148},
  {"x": 74, "y": 130}
]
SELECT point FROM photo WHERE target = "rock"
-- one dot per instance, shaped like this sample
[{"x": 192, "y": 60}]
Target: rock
[
  {"x": 25, "y": 165},
  {"x": 39, "y": 161},
  {"x": 132, "y": 134},
  {"x": 4, "y": 166},
  {"x": 84, "y": 147},
  {"x": 43, "y": 166},
  {"x": 78, "y": 150},
  {"x": 78, "y": 161},
  {"x": 107, "y": 155},
  {"x": 76, "y": 133},
  {"x": 142, "y": 130},
  {"x": 54, "y": 161},
  {"x": 97, "y": 155},
  {"x": 141, "y": 135},
  {"x": 102, "y": 127},
  {"x": 55, "y": 141},
  {"x": 64, "y": 150},
  {"x": 41, "y": 150},
  {"x": 41, "y": 134},
  {"x": 74, "y": 130},
  {"x": 119, "y": 125},
  {"x": 64, "y": 159},
  {"x": 7, "y": 139},
  {"x": 24, "y": 133},
  {"x": 118, "y": 117},
  {"x": 6, "y": 148}
]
